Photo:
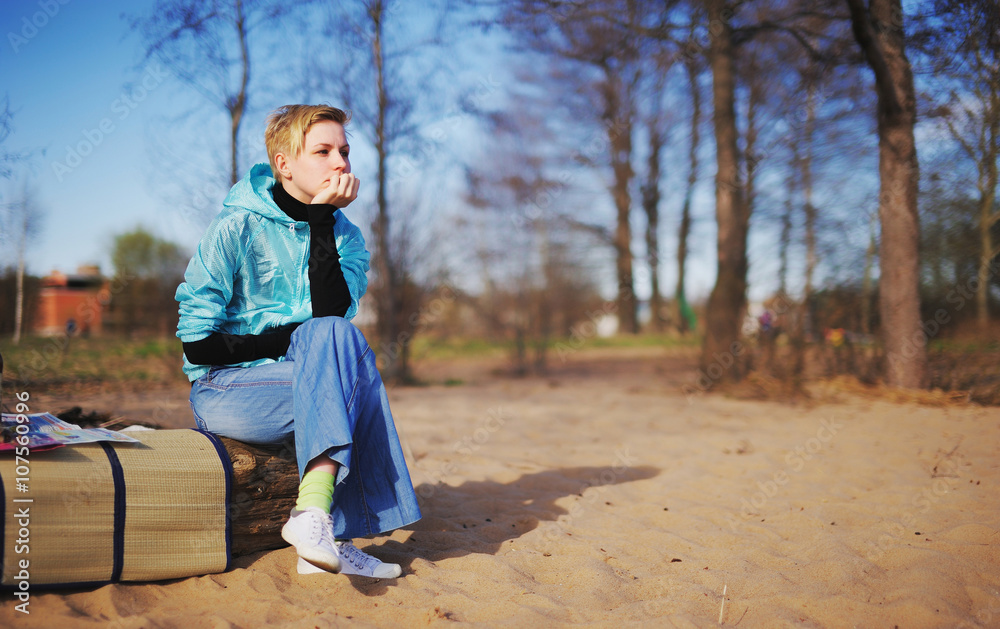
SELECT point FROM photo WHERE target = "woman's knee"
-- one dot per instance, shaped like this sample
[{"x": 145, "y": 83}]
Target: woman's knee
[{"x": 338, "y": 327}]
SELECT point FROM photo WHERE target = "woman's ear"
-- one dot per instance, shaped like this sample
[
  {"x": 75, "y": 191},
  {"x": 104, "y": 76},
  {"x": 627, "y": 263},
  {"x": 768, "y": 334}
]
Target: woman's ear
[{"x": 282, "y": 165}]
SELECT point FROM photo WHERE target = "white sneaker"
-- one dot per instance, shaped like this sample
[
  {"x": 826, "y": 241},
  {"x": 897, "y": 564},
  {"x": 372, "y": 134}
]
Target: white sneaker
[
  {"x": 355, "y": 561},
  {"x": 311, "y": 533},
  {"x": 371, "y": 567},
  {"x": 304, "y": 567}
]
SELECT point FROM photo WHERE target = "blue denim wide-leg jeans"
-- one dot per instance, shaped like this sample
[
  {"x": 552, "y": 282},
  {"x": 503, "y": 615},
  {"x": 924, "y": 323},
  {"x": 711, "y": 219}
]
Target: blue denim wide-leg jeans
[{"x": 328, "y": 394}]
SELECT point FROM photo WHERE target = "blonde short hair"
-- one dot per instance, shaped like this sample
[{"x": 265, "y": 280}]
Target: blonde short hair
[{"x": 287, "y": 128}]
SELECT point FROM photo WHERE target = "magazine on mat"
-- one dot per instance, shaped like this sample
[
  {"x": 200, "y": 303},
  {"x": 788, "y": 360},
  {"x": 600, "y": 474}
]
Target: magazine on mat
[{"x": 45, "y": 430}]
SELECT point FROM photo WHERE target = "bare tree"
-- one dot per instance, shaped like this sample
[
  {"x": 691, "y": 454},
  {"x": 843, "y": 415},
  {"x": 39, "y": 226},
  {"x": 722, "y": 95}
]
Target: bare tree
[
  {"x": 727, "y": 302},
  {"x": 207, "y": 46},
  {"x": 878, "y": 30},
  {"x": 24, "y": 220},
  {"x": 808, "y": 206},
  {"x": 656, "y": 130},
  {"x": 751, "y": 72},
  {"x": 372, "y": 76},
  {"x": 618, "y": 115},
  {"x": 787, "y": 214},
  {"x": 7, "y": 158},
  {"x": 693, "y": 62},
  {"x": 536, "y": 279},
  {"x": 601, "y": 45},
  {"x": 969, "y": 41},
  {"x": 388, "y": 272},
  {"x": 814, "y": 86},
  {"x": 19, "y": 220}
]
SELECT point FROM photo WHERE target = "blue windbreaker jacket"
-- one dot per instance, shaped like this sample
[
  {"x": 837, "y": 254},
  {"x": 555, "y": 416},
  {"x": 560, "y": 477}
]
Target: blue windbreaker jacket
[{"x": 250, "y": 272}]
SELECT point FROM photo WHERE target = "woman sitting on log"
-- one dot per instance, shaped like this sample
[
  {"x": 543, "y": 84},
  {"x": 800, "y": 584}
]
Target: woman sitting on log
[{"x": 265, "y": 312}]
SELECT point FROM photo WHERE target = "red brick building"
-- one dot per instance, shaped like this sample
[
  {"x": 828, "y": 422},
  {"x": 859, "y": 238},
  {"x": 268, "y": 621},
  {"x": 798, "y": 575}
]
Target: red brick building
[{"x": 72, "y": 302}]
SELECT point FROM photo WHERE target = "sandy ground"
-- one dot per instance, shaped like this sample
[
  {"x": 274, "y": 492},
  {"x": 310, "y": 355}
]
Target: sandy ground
[{"x": 602, "y": 495}]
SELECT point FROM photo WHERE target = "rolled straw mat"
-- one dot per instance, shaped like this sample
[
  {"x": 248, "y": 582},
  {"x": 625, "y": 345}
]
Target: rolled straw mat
[{"x": 99, "y": 513}]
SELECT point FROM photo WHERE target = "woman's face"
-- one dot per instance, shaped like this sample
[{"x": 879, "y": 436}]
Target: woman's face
[{"x": 324, "y": 158}]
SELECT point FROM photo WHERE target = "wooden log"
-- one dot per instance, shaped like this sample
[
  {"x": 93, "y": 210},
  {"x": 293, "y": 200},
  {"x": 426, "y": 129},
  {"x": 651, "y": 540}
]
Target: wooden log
[{"x": 265, "y": 486}]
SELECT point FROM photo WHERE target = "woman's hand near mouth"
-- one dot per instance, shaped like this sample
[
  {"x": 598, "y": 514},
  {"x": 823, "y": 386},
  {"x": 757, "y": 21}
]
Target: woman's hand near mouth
[{"x": 340, "y": 191}]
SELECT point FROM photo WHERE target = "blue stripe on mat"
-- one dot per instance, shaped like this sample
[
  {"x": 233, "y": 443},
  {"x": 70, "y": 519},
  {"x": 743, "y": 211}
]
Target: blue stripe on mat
[
  {"x": 227, "y": 465},
  {"x": 118, "y": 475},
  {"x": 38, "y": 586}
]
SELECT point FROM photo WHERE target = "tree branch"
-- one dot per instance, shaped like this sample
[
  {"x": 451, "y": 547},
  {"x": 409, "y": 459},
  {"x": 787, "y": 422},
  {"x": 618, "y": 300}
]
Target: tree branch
[
  {"x": 602, "y": 233},
  {"x": 958, "y": 138},
  {"x": 865, "y": 36}
]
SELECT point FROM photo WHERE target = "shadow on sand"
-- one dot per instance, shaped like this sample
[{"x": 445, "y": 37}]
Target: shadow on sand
[{"x": 479, "y": 516}]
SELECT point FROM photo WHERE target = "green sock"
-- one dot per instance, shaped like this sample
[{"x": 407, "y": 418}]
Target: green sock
[{"x": 315, "y": 490}]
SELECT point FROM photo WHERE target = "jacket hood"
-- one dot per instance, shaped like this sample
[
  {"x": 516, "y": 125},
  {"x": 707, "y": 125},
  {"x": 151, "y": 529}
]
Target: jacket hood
[{"x": 253, "y": 193}]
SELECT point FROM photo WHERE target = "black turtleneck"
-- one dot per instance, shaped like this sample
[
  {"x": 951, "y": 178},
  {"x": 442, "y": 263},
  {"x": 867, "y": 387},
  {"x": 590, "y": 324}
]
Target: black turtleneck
[{"x": 327, "y": 288}]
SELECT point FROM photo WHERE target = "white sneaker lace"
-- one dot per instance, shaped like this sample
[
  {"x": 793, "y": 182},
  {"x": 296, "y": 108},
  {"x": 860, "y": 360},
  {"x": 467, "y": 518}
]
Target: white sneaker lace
[
  {"x": 325, "y": 523},
  {"x": 357, "y": 557}
]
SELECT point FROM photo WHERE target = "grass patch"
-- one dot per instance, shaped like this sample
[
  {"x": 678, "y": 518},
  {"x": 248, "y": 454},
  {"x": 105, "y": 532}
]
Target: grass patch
[
  {"x": 963, "y": 346},
  {"x": 444, "y": 349},
  {"x": 644, "y": 340},
  {"x": 975, "y": 370},
  {"x": 455, "y": 348},
  {"x": 43, "y": 363}
]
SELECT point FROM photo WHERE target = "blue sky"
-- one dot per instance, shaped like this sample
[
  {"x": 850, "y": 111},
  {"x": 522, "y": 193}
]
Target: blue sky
[{"x": 66, "y": 83}]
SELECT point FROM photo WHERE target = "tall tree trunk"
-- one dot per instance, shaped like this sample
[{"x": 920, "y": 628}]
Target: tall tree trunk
[
  {"x": 879, "y": 33},
  {"x": 691, "y": 66},
  {"x": 791, "y": 322},
  {"x": 754, "y": 101},
  {"x": 727, "y": 303},
  {"x": 238, "y": 104},
  {"x": 393, "y": 359},
  {"x": 809, "y": 210},
  {"x": 988, "y": 215},
  {"x": 545, "y": 305},
  {"x": 785, "y": 238},
  {"x": 24, "y": 217},
  {"x": 651, "y": 204},
  {"x": 19, "y": 299},
  {"x": 618, "y": 123}
]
